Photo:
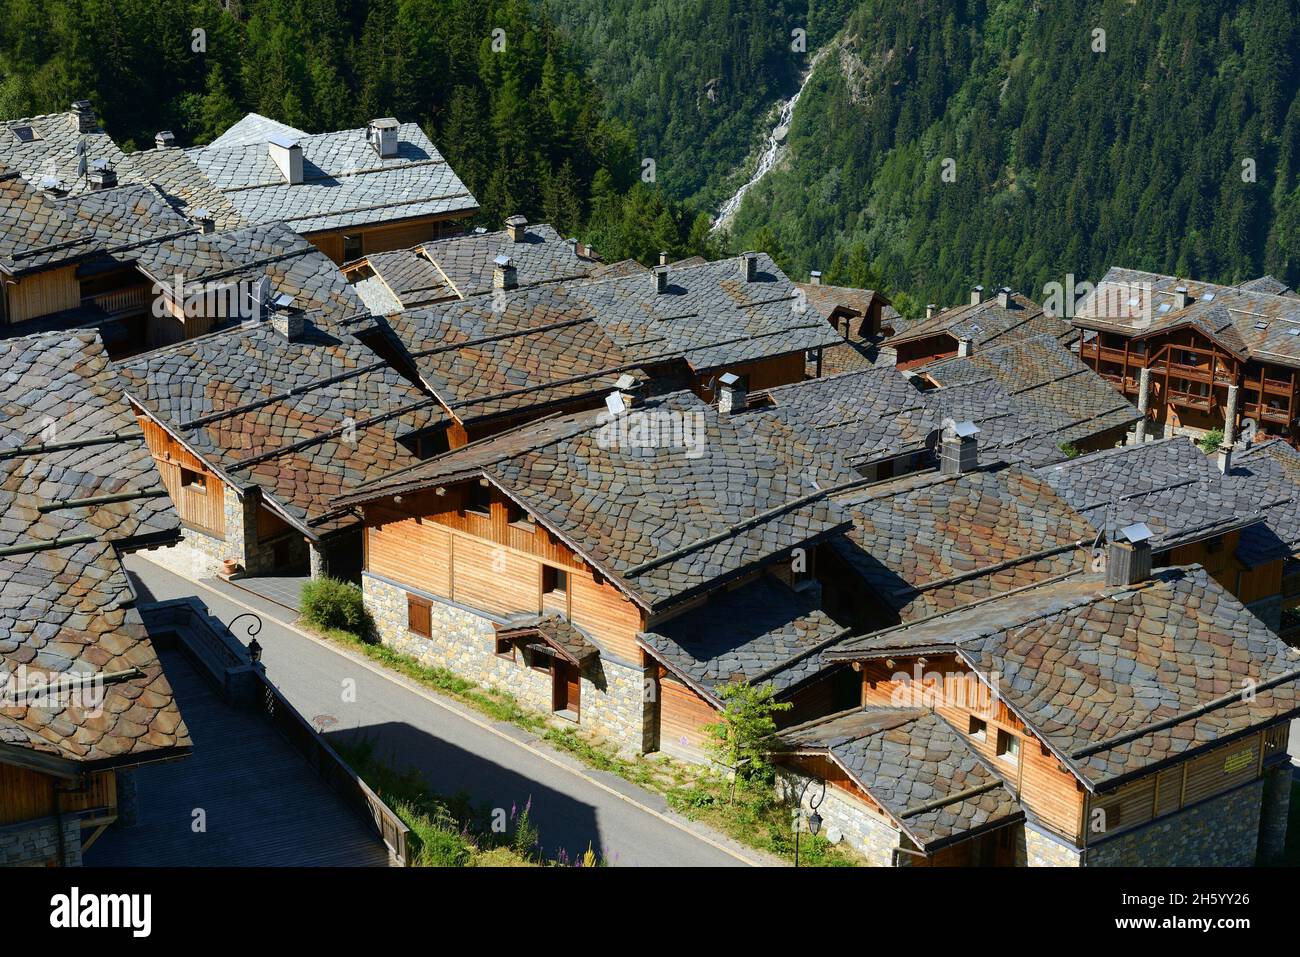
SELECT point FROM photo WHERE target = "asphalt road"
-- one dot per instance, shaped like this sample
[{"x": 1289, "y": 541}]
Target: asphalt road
[{"x": 456, "y": 749}]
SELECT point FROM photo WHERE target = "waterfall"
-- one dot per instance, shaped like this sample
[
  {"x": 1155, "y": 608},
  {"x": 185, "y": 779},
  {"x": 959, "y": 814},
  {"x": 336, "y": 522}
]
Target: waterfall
[{"x": 773, "y": 148}]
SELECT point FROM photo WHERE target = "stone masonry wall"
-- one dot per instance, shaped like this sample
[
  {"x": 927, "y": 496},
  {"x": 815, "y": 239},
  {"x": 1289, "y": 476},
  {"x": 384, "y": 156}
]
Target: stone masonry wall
[
  {"x": 845, "y": 820},
  {"x": 199, "y": 555},
  {"x": 1042, "y": 850},
  {"x": 614, "y": 703},
  {"x": 1274, "y": 808},
  {"x": 1220, "y": 832},
  {"x": 36, "y": 843}
]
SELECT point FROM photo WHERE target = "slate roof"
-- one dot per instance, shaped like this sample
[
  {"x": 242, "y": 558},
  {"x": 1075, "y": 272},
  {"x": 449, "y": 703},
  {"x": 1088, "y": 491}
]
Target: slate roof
[
  {"x": 294, "y": 266},
  {"x": 827, "y": 300},
  {"x": 1140, "y": 675},
  {"x": 126, "y": 219},
  {"x": 66, "y": 435},
  {"x": 53, "y": 153},
  {"x": 255, "y": 128},
  {"x": 928, "y": 543},
  {"x": 762, "y": 632},
  {"x": 660, "y": 523},
  {"x": 37, "y": 232},
  {"x": 1271, "y": 470},
  {"x": 916, "y": 767},
  {"x": 1172, "y": 486},
  {"x": 989, "y": 324},
  {"x": 466, "y": 262},
  {"x": 305, "y": 420},
  {"x": 1249, "y": 322},
  {"x": 1049, "y": 380},
  {"x": 402, "y": 279},
  {"x": 558, "y": 636},
  {"x": 181, "y": 182},
  {"x": 345, "y": 182}
]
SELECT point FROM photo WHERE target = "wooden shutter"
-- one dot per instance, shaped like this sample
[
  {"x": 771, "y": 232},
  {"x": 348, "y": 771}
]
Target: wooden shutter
[{"x": 418, "y": 616}]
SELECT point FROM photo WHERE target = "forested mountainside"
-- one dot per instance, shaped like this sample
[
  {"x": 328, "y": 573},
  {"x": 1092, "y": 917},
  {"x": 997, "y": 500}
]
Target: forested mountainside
[
  {"x": 1071, "y": 150},
  {"x": 514, "y": 112}
]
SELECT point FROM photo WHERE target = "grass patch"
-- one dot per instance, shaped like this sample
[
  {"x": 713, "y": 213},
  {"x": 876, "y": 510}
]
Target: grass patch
[{"x": 754, "y": 818}]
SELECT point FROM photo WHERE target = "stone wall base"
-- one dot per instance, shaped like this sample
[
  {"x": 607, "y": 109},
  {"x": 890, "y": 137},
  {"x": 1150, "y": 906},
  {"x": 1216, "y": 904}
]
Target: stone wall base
[
  {"x": 36, "y": 843},
  {"x": 614, "y": 704},
  {"x": 1275, "y": 806},
  {"x": 845, "y": 819}
]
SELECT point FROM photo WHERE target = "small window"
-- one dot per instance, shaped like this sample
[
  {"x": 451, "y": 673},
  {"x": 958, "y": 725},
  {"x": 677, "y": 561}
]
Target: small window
[
  {"x": 519, "y": 518},
  {"x": 193, "y": 481},
  {"x": 478, "y": 499},
  {"x": 351, "y": 248},
  {"x": 978, "y": 729},
  {"x": 1008, "y": 746},
  {"x": 419, "y": 616},
  {"x": 539, "y": 661},
  {"x": 505, "y": 649},
  {"x": 555, "y": 581},
  {"x": 26, "y": 134}
]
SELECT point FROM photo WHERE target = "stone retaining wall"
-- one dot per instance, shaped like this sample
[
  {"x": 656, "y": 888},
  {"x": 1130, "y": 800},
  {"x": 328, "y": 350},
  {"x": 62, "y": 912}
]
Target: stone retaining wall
[{"x": 36, "y": 843}]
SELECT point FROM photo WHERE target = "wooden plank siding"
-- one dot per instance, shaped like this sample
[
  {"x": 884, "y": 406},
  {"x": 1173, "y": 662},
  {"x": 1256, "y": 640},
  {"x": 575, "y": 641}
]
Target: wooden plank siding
[
  {"x": 199, "y": 496},
  {"x": 1218, "y": 556},
  {"x": 759, "y": 375},
  {"x": 27, "y": 795},
  {"x": 399, "y": 235},
  {"x": 683, "y": 716},
  {"x": 41, "y": 293},
  {"x": 432, "y": 543}
]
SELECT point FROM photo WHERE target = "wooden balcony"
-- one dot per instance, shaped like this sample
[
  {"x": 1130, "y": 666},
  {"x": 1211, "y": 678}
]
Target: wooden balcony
[
  {"x": 121, "y": 302},
  {"x": 1280, "y": 415},
  {"x": 1190, "y": 400}
]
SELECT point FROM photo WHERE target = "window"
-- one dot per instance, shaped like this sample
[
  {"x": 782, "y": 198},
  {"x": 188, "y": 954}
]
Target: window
[
  {"x": 505, "y": 648},
  {"x": 26, "y": 134},
  {"x": 351, "y": 248},
  {"x": 519, "y": 518},
  {"x": 193, "y": 481},
  {"x": 419, "y": 616},
  {"x": 539, "y": 661},
  {"x": 978, "y": 729},
  {"x": 478, "y": 499},
  {"x": 1008, "y": 746},
  {"x": 555, "y": 581}
]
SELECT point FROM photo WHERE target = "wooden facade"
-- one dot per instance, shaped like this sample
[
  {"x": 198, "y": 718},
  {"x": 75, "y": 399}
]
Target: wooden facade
[
  {"x": 924, "y": 351},
  {"x": 197, "y": 493},
  {"x": 346, "y": 245},
  {"x": 40, "y": 294}
]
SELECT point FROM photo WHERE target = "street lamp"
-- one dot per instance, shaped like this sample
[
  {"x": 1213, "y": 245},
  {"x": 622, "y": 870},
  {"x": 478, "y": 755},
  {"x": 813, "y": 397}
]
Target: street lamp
[{"x": 814, "y": 819}]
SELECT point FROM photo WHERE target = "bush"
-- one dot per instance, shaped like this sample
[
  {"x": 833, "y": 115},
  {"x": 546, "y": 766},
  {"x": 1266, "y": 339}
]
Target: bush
[
  {"x": 1211, "y": 441},
  {"x": 335, "y": 605}
]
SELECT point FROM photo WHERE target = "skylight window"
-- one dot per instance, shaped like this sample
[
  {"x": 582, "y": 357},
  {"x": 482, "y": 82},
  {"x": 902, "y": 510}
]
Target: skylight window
[
  {"x": 1207, "y": 297},
  {"x": 25, "y": 134}
]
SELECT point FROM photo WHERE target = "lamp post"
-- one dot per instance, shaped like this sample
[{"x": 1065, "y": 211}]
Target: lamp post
[{"x": 814, "y": 819}]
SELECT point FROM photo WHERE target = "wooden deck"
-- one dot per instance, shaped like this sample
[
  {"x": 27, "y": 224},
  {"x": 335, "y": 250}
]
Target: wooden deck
[{"x": 264, "y": 805}]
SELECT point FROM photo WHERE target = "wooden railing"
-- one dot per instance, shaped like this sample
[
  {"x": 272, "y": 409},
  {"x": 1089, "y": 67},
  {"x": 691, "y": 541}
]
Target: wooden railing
[{"x": 133, "y": 299}]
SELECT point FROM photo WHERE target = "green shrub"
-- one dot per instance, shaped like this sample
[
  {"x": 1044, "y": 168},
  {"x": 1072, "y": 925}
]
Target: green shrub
[
  {"x": 333, "y": 604},
  {"x": 1211, "y": 441}
]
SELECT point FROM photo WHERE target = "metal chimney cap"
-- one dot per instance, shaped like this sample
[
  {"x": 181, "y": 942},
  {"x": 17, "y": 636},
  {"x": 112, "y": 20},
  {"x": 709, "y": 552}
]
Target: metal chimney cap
[
  {"x": 729, "y": 379},
  {"x": 625, "y": 381},
  {"x": 965, "y": 430},
  {"x": 1136, "y": 533},
  {"x": 503, "y": 261}
]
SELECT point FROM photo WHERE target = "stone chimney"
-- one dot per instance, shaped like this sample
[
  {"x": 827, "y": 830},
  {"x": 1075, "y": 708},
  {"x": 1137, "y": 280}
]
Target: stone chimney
[
  {"x": 83, "y": 117},
  {"x": 381, "y": 134},
  {"x": 1223, "y": 458},
  {"x": 749, "y": 266},
  {"x": 965, "y": 347},
  {"x": 164, "y": 140},
  {"x": 663, "y": 257},
  {"x": 287, "y": 155},
  {"x": 517, "y": 228},
  {"x": 289, "y": 323},
  {"x": 102, "y": 175},
  {"x": 815, "y": 277},
  {"x": 959, "y": 449},
  {"x": 1128, "y": 557},
  {"x": 731, "y": 393},
  {"x": 930, "y": 309},
  {"x": 1004, "y": 297},
  {"x": 1180, "y": 298},
  {"x": 976, "y": 295},
  {"x": 661, "y": 279},
  {"x": 204, "y": 221},
  {"x": 504, "y": 275}
]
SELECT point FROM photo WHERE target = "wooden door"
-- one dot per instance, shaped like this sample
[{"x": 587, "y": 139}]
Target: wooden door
[{"x": 566, "y": 687}]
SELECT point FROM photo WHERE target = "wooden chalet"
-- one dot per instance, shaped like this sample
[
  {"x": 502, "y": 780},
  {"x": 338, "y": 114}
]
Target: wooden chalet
[
  {"x": 1136, "y": 718},
  {"x": 1197, "y": 356},
  {"x": 559, "y": 563},
  {"x": 85, "y": 699}
]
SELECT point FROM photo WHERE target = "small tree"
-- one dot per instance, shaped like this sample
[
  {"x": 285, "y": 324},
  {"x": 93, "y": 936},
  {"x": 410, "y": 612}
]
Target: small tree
[
  {"x": 1211, "y": 441},
  {"x": 739, "y": 735}
]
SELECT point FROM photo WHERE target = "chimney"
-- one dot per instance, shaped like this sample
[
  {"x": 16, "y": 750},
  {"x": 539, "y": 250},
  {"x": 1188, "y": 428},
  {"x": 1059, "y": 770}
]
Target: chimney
[
  {"x": 381, "y": 134},
  {"x": 930, "y": 309},
  {"x": 504, "y": 275},
  {"x": 1223, "y": 458},
  {"x": 748, "y": 266},
  {"x": 1004, "y": 297},
  {"x": 959, "y": 449},
  {"x": 628, "y": 393},
  {"x": 976, "y": 295},
  {"x": 663, "y": 258},
  {"x": 731, "y": 393},
  {"x": 1180, "y": 298},
  {"x": 286, "y": 319},
  {"x": 815, "y": 277},
  {"x": 1128, "y": 557},
  {"x": 83, "y": 117},
  {"x": 164, "y": 140},
  {"x": 965, "y": 347},
  {"x": 661, "y": 279},
  {"x": 102, "y": 175},
  {"x": 287, "y": 155},
  {"x": 203, "y": 219},
  {"x": 517, "y": 227}
]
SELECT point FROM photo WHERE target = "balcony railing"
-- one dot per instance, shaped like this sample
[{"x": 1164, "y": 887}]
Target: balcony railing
[{"x": 134, "y": 299}]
